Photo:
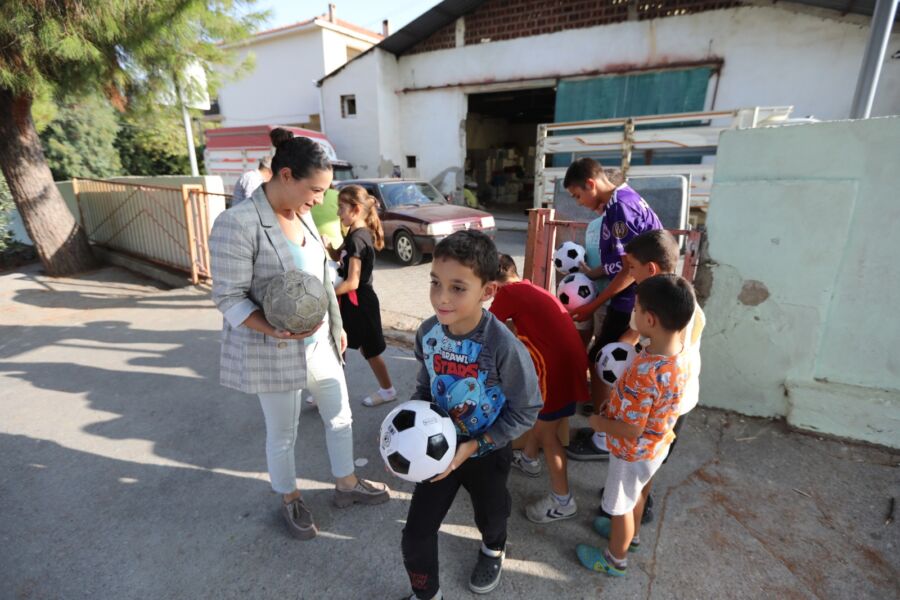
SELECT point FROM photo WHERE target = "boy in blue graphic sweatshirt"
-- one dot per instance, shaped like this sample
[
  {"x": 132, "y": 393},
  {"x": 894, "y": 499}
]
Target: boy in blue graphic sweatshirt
[{"x": 473, "y": 366}]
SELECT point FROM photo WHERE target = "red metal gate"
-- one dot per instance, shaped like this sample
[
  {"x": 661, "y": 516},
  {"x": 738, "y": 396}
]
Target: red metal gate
[{"x": 543, "y": 230}]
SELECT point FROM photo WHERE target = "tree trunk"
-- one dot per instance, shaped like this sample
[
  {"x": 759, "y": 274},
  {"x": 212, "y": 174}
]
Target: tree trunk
[{"x": 59, "y": 240}]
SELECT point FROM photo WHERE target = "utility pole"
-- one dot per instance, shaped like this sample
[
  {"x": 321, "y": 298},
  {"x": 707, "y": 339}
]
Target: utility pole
[
  {"x": 873, "y": 58},
  {"x": 188, "y": 133}
]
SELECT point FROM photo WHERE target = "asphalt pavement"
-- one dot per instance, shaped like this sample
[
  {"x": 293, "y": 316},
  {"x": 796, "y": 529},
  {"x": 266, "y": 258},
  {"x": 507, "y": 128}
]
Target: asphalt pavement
[{"x": 127, "y": 472}]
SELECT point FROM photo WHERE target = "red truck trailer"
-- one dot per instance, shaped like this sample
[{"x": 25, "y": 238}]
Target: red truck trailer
[{"x": 231, "y": 151}]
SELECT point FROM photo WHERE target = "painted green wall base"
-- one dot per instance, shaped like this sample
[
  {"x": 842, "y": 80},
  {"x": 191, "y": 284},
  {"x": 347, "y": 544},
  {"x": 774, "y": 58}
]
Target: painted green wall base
[
  {"x": 866, "y": 413},
  {"x": 802, "y": 311}
]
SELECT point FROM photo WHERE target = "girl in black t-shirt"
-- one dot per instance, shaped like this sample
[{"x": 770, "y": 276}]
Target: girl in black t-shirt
[{"x": 360, "y": 309}]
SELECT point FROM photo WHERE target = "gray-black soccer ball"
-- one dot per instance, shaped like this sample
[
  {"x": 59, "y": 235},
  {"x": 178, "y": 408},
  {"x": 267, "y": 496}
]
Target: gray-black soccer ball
[
  {"x": 418, "y": 440},
  {"x": 295, "y": 301}
]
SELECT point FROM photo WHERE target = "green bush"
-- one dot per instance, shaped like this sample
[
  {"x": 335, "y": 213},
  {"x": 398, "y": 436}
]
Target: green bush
[
  {"x": 79, "y": 142},
  {"x": 152, "y": 144}
]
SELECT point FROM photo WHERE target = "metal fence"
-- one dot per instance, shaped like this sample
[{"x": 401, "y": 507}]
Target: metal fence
[
  {"x": 198, "y": 201},
  {"x": 164, "y": 225},
  {"x": 544, "y": 230}
]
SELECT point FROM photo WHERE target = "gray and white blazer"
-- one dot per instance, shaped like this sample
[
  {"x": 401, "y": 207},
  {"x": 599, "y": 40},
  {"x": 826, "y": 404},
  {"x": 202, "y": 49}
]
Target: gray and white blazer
[{"x": 248, "y": 249}]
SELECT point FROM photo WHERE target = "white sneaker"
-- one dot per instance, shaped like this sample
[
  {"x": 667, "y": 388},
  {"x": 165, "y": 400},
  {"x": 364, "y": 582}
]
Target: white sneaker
[
  {"x": 531, "y": 468},
  {"x": 376, "y": 398},
  {"x": 547, "y": 509}
]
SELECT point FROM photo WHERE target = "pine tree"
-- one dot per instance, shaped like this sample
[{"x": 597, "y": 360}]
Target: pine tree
[{"x": 118, "y": 47}]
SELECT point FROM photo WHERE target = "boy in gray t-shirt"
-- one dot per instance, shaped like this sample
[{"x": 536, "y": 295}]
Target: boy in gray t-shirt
[{"x": 473, "y": 366}]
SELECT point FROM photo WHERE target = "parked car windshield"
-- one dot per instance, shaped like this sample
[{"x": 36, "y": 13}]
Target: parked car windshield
[
  {"x": 342, "y": 173},
  {"x": 409, "y": 194}
]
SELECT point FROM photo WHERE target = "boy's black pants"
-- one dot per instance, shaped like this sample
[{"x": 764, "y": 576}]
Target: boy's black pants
[{"x": 485, "y": 480}]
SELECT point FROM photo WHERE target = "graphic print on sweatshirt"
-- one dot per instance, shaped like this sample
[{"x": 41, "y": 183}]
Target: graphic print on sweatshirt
[{"x": 458, "y": 385}]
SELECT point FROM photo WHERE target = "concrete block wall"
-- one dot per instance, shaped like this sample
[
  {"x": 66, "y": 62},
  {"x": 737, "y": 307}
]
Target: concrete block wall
[{"x": 801, "y": 314}]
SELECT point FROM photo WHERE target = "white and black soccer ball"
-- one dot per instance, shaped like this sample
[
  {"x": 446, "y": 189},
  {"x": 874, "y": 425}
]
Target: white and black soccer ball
[
  {"x": 295, "y": 301},
  {"x": 576, "y": 290},
  {"x": 418, "y": 440},
  {"x": 613, "y": 360},
  {"x": 568, "y": 257},
  {"x": 332, "y": 268}
]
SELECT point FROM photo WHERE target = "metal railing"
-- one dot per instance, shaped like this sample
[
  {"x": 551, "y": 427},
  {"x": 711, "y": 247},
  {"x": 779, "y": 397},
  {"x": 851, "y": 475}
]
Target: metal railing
[
  {"x": 682, "y": 135},
  {"x": 199, "y": 202},
  {"x": 163, "y": 225},
  {"x": 543, "y": 230}
]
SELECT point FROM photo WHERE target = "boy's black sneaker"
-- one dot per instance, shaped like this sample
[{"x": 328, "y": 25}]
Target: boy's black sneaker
[
  {"x": 583, "y": 448},
  {"x": 581, "y": 432},
  {"x": 647, "y": 517},
  {"x": 486, "y": 574}
]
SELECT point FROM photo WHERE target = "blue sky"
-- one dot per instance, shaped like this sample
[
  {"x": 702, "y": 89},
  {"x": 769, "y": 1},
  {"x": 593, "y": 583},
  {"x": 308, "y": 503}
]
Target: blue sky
[{"x": 365, "y": 13}]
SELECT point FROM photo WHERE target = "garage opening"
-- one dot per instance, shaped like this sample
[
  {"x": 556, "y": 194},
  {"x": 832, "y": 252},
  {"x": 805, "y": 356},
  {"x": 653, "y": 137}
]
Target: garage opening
[{"x": 501, "y": 132}]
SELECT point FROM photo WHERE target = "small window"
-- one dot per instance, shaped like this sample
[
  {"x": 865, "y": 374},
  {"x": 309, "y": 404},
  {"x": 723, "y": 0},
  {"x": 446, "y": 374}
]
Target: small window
[
  {"x": 410, "y": 162},
  {"x": 348, "y": 106}
]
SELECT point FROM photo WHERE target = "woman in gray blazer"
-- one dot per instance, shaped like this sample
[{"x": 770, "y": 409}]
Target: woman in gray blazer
[{"x": 251, "y": 244}]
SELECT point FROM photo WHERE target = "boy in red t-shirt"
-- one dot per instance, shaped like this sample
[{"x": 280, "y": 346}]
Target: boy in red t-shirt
[
  {"x": 641, "y": 415},
  {"x": 544, "y": 326}
]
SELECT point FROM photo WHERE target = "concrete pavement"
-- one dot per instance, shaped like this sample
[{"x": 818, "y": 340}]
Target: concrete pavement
[{"x": 127, "y": 472}]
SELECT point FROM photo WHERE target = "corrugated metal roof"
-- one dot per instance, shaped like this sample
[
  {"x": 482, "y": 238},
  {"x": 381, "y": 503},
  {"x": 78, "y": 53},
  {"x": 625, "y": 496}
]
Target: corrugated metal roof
[
  {"x": 427, "y": 23},
  {"x": 418, "y": 29}
]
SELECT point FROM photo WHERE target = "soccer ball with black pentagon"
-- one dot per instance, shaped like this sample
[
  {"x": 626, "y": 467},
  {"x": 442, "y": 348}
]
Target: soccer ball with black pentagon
[
  {"x": 613, "y": 360},
  {"x": 418, "y": 440},
  {"x": 295, "y": 301},
  {"x": 576, "y": 290},
  {"x": 568, "y": 257}
]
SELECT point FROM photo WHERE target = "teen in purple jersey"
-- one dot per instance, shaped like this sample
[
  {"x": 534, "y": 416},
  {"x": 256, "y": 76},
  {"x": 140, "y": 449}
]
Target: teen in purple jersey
[{"x": 625, "y": 216}]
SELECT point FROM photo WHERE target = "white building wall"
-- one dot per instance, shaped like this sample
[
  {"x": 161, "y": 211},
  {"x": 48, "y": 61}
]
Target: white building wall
[
  {"x": 281, "y": 88},
  {"x": 781, "y": 55},
  {"x": 356, "y": 138},
  {"x": 389, "y": 126},
  {"x": 335, "y": 47},
  {"x": 773, "y": 56},
  {"x": 433, "y": 131},
  {"x": 373, "y": 139},
  {"x": 390, "y": 118}
]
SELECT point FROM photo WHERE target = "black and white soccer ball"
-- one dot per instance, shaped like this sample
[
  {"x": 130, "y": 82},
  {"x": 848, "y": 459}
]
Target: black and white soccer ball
[
  {"x": 418, "y": 440},
  {"x": 333, "y": 275},
  {"x": 295, "y": 301},
  {"x": 613, "y": 360},
  {"x": 576, "y": 290},
  {"x": 568, "y": 257}
]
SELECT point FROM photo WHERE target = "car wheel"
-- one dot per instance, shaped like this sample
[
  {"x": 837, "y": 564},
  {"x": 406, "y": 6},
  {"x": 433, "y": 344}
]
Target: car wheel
[{"x": 405, "y": 249}]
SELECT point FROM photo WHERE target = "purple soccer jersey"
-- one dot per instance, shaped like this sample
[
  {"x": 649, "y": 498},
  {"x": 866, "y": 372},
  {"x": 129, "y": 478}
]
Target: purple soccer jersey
[{"x": 626, "y": 216}]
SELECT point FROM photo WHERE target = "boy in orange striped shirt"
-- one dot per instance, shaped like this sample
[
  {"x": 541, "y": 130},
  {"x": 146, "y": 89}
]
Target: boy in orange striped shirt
[{"x": 641, "y": 415}]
